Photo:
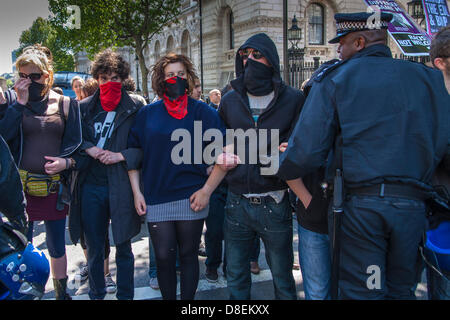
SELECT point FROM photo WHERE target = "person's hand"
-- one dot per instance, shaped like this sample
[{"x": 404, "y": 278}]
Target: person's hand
[
  {"x": 306, "y": 201},
  {"x": 94, "y": 152},
  {"x": 21, "y": 88},
  {"x": 54, "y": 165},
  {"x": 228, "y": 161},
  {"x": 283, "y": 146},
  {"x": 199, "y": 200},
  {"x": 108, "y": 157},
  {"x": 2, "y": 97},
  {"x": 139, "y": 203}
]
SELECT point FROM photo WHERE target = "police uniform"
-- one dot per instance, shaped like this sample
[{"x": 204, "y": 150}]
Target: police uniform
[{"x": 393, "y": 117}]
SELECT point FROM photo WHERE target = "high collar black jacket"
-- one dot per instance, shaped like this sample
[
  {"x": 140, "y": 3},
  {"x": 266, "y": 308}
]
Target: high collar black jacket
[{"x": 281, "y": 114}]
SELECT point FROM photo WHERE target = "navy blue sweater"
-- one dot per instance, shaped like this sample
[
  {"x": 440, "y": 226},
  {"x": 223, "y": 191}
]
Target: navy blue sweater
[{"x": 164, "y": 180}]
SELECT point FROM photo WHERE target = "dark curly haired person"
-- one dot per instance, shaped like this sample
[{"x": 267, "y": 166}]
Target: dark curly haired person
[{"x": 103, "y": 192}]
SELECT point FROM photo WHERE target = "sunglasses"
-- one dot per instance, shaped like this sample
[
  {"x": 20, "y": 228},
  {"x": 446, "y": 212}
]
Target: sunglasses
[
  {"x": 245, "y": 53},
  {"x": 32, "y": 76}
]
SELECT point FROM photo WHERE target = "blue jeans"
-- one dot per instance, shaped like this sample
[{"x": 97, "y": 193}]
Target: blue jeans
[
  {"x": 255, "y": 250},
  {"x": 271, "y": 222},
  {"x": 214, "y": 229},
  {"x": 95, "y": 219},
  {"x": 315, "y": 263}
]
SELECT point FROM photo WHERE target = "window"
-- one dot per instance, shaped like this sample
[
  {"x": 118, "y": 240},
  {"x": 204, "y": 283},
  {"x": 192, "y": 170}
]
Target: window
[
  {"x": 186, "y": 44},
  {"x": 170, "y": 44},
  {"x": 316, "y": 23},
  {"x": 231, "y": 30},
  {"x": 157, "y": 50},
  {"x": 227, "y": 28}
]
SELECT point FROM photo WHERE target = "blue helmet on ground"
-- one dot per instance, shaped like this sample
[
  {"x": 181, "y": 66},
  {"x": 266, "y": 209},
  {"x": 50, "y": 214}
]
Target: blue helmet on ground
[{"x": 24, "y": 269}]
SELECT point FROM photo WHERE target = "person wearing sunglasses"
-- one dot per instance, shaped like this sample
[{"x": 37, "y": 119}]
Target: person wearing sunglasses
[
  {"x": 43, "y": 130},
  {"x": 257, "y": 202}
]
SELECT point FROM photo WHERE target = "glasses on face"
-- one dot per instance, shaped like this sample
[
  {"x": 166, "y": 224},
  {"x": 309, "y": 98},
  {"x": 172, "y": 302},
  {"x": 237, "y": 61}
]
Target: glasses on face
[
  {"x": 32, "y": 76},
  {"x": 245, "y": 53}
]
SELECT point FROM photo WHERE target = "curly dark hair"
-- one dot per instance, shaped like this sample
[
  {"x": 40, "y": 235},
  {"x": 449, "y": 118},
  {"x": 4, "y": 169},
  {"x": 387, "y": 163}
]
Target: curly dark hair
[
  {"x": 158, "y": 74},
  {"x": 129, "y": 85},
  {"x": 440, "y": 46},
  {"x": 90, "y": 87},
  {"x": 109, "y": 61}
]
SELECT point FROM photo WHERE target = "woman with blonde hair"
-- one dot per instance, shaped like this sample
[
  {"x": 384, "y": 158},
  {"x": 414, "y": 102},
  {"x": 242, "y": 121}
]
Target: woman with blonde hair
[
  {"x": 43, "y": 130},
  {"x": 77, "y": 86}
]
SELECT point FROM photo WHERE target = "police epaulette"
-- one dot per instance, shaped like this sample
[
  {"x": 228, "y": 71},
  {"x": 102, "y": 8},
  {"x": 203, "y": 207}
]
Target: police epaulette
[{"x": 327, "y": 70}]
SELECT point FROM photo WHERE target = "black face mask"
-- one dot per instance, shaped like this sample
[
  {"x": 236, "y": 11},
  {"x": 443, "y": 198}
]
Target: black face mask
[
  {"x": 258, "y": 78},
  {"x": 35, "y": 91},
  {"x": 175, "y": 87}
]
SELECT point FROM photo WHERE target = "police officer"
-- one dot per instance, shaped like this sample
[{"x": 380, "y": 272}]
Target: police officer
[{"x": 393, "y": 122}]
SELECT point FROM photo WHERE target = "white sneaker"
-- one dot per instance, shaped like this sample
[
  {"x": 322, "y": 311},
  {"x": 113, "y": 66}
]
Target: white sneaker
[
  {"x": 110, "y": 285},
  {"x": 83, "y": 274}
]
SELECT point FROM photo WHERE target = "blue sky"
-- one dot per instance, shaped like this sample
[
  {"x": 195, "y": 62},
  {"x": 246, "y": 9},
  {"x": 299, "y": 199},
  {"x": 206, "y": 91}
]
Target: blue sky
[{"x": 15, "y": 17}]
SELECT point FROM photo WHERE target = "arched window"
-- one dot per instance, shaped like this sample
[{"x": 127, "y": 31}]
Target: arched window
[
  {"x": 170, "y": 44},
  {"x": 157, "y": 50},
  {"x": 316, "y": 23},
  {"x": 186, "y": 44}
]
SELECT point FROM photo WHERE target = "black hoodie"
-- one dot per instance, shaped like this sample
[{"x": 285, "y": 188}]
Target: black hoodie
[{"x": 281, "y": 114}]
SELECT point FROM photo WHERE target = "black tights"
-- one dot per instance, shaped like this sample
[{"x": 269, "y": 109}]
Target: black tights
[{"x": 166, "y": 236}]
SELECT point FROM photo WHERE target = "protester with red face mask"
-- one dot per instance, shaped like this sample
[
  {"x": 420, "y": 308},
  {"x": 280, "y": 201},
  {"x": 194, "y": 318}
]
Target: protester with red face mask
[
  {"x": 176, "y": 193},
  {"x": 103, "y": 192}
]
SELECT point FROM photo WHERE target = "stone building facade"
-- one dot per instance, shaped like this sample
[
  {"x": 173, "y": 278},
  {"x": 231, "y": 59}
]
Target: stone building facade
[{"x": 223, "y": 25}]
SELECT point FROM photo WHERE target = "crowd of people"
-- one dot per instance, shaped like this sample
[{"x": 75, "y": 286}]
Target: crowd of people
[{"x": 355, "y": 152}]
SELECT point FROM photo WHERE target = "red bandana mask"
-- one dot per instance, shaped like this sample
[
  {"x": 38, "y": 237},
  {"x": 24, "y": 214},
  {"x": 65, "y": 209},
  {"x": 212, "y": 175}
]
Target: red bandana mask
[
  {"x": 175, "y": 97},
  {"x": 110, "y": 95}
]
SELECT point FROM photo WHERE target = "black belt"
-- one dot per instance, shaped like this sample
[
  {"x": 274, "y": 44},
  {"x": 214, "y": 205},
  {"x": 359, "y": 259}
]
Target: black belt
[
  {"x": 390, "y": 190},
  {"x": 258, "y": 200}
]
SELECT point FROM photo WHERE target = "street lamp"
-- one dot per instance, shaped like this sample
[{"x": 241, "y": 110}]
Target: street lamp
[
  {"x": 137, "y": 73},
  {"x": 415, "y": 10},
  {"x": 294, "y": 33},
  {"x": 295, "y": 55}
]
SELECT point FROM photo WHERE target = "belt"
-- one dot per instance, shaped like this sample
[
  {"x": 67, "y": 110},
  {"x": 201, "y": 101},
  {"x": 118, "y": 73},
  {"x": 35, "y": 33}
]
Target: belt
[
  {"x": 390, "y": 190},
  {"x": 258, "y": 200}
]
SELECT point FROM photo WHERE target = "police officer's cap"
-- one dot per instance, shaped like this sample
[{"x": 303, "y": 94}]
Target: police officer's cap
[{"x": 358, "y": 21}]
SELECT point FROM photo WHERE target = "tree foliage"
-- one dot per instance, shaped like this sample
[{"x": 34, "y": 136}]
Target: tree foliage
[
  {"x": 114, "y": 23},
  {"x": 42, "y": 32}
]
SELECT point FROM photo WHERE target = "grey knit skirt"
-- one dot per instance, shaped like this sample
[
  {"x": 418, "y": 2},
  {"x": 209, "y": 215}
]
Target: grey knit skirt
[{"x": 174, "y": 211}]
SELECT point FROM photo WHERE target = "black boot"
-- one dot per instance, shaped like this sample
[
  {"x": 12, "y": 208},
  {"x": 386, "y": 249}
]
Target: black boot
[{"x": 60, "y": 289}]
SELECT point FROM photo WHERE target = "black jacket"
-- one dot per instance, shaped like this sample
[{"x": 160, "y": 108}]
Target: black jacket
[
  {"x": 12, "y": 199},
  {"x": 281, "y": 114},
  {"x": 11, "y": 130},
  {"x": 393, "y": 115},
  {"x": 125, "y": 222}
]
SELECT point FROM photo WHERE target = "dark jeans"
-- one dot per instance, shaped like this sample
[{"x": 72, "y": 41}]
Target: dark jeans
[
  {"x": 271, "y": 222},
  {"x": 95, "y": 218},
  {"x": 254, "y": 255},
  {"x": 214, "y": 229},
  {"x": 380, "y": 240}
]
